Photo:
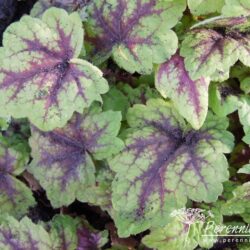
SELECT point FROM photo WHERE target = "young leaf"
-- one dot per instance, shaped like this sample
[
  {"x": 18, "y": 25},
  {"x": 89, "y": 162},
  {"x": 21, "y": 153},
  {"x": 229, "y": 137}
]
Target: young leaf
[
  {"x": 190, "y": 97},
  {"x": 23, "y": 235},
  {"x": 164, "y": 163},
  {"x": 236, "y": 8},
  {"x": 136, "y": 33},
  {"x": 15, "y": 196},
  {"x": 62, "y": 158},
  {"x": 75, "y": 234},
  {"x": 213, "y": 46},
  {"x": 205, "y": 7},
  {"x": 50, "y": 83}
]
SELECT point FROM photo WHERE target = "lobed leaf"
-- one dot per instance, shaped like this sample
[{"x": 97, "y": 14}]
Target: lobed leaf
[
  {"x": 213, "y": 46},
  {"x": 190, "y": 97},
  {"x": 50, "y": 83},
  {"x": 63, "y": 158},
  {"x": 132, "y": 32},
  {"x": 164, "y": 163}
]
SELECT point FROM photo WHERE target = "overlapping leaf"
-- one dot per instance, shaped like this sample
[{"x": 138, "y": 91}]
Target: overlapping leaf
[
  {"x": 236, "y": 8},
  {"x": 205, "y": 7},
  {"x": 164, "y": 163},
  {"x": 132, "y": 32},
  {"x": 50, "y": 83},
  {"x": 213, "y": 46},
  {"x": 189, "y": 96},
  {"x": 62, "y": 158},
  {"x": 15, "y": 196}
]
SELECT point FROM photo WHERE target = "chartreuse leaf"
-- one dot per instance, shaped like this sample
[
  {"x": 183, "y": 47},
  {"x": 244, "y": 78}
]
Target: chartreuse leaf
[
  {"x": 69, "y": 5},
  {"x": 75, "y": 234},
  {"x": 62, "y": 158},
  {"x": 15, "y": 196},
  {"x": 164, "y": 163},
  {"x": 222, "y": 99},
  {"x": 236, "y": 8},
  {"x": 50, "y": 83},
  {"x": 136, "y": 33},
  {"x": 189, "y": 96},
  {"x": 213, "y": 46},
  {"x": 205, "y": 7},
  {"x": 23, "y": 235}
]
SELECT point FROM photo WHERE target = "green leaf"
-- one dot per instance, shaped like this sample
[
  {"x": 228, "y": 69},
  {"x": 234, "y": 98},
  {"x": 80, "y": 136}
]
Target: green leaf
[
  {"x": 205, "y": 7},
  {"x": 236, "y": 8},
  {"x": 214, "y": 45},
  {"x": 63, "y": 158},
  {"x": 136, "y": 34},
  {"x": 164, "y": 163},
  {"x": 15, "y": 196},
  {"x": 51, "y": 82},
  {"x": 189, "y": 97}
]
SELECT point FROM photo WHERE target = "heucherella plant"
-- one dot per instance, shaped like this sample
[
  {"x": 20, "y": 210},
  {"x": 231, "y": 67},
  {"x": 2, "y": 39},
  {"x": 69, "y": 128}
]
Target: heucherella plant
[{"x": 124, "y": 124}]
